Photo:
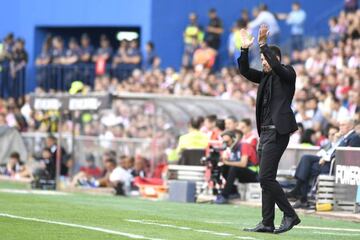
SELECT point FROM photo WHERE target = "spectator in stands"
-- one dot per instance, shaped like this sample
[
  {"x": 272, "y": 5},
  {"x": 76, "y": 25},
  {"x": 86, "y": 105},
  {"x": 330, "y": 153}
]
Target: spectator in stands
[
  {"x": 204, "y": 56},
  {"x": 51, "y": 143},
  {"x": 194, "y": 139},
  {"x": 72, "y": 54},
  {"x": 311, "y": 165},
  {"x": 231, "y": 123},
  {"x": 109, "y": 165},
  {"x": 15, "y": 168},
  {"x": 88, "y": 173},
  {"x": 57, "y": 50},
  {"x": 214, "y": 30},
  {"x": 244, "y": 18},
  {"x": 308, "y": 138},
  {"x": 240, "y": 163},
  {"x": 86, "y": 49},
  {"x": 120, "y": 180},
  {"x": 42, "y": 61},
  {"x": 249, "y": 135},
  {"x": 152, "y": 60},
  {"x": 295, "y": 19},
  {"x": 192, "y": 36},
  {"x": 47, "y": 166},
  {"x": 133, "y": 55},
  {"x": 268, "y": 18},
  {"x": 102, "y": 55},
  {"x": 209, "y": 128}
]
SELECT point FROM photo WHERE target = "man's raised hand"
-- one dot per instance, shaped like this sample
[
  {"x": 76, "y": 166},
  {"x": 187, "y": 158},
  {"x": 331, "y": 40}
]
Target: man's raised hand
[{"x": 246, "y": 38}]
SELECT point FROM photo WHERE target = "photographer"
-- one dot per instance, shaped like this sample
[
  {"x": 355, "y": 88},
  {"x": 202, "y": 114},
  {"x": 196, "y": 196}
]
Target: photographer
[{"x": 240, "y": 162}]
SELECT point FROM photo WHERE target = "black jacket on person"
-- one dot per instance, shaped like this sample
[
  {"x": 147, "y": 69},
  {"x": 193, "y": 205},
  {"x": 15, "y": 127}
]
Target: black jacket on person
[{"x": 282, "y": 89}]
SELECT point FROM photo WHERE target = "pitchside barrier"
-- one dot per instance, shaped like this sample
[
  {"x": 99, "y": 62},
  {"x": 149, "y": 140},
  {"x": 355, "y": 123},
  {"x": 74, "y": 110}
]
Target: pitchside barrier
[{"x": 347, "y": 179}]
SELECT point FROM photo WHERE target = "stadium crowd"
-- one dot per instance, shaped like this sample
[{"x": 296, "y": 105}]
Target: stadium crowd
[{"x": 327, "y": 87}]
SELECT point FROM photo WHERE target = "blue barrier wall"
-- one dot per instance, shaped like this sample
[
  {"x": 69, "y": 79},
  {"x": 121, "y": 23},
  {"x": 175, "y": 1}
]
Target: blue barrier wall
[{"x": 162, "y": 21}]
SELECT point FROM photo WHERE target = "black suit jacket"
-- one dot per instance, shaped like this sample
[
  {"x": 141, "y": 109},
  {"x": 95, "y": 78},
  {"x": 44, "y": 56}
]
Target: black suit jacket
[
  {"x": 282, "y": 89},
  {"x": 352, "y": 140}
]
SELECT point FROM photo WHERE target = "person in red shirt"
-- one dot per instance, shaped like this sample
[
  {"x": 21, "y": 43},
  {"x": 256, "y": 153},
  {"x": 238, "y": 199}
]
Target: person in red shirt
[
  {"x": 240, "y": 162},
  {"x": 87, "y": 173},
  {"x": 249, "y": 136}
]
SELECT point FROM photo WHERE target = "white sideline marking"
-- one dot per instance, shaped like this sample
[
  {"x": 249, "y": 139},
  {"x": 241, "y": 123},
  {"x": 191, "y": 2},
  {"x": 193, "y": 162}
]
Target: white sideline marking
[
  {"x": 337, "y": 234},
  {"x": 39, "y": 192},
  {"x": 329, "y": 229},
  {"x": 189, "y": 229},
  {"x": 98, "y": 229}
]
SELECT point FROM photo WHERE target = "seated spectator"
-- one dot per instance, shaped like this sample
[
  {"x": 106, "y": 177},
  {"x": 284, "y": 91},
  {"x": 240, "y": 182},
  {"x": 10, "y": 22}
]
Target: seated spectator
[
  {"x": 204, "y": 56},
  {"x": 15, "y": 168},
  {"x": 47, "y": 166},
  {"x": 310, "y": 166},
  {"x": 231, "y": 123},
  {"x": 194, "y": 139},
  {"x": 120, "y": 180},
  {"x": 308, "y": 138},
  {"x": 109, "y": 166},
  {"x": 240, "y": 162},
  {"x": 249, "y": 135},
  {"x": 87, "y": 173}
]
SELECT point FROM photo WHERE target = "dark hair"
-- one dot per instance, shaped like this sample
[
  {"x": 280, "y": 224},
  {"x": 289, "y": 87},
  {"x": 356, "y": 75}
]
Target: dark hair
[
  {"x": 276, "y": 50},
  {"x": 296, "y": 3},
  {"x": 15, "y": 155},
  {"x": 233, "y": 118},
  {"x": 220, "y": 124},
  {"x": 263, "y": 7},
  {"x": 229, "y": 133},
  {"x": 47, "y": 150},
  {"x": 195, "y": 122},
  {"x": 52, "y": 137},
  {"x": 306, "y": 136},
  {"x": 211, "y": 118},
  {"x": 151, "y": 45},
  {"x": 247, "y": 121},
  {"x": 111, "y": 160},
  {"x": 212, "y": 10}
]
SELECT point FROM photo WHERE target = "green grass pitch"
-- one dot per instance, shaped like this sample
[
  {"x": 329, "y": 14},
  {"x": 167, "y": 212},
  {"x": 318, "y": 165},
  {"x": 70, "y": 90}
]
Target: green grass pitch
[{"x": 82, "y": 216}]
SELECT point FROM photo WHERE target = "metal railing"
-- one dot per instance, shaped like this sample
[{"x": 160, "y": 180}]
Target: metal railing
[
  {"x": 12, "y": 82},
  {"x": 60, "y": 77}
]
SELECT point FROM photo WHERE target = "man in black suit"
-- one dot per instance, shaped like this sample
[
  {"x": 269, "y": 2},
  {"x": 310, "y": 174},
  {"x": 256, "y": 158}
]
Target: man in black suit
[{"x": 275, "y": 121}]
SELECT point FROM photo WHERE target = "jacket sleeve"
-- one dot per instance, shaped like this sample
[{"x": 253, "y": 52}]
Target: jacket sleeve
[
  {"x": 286, "y": 73},
  {"x": 244, "y": 68}
]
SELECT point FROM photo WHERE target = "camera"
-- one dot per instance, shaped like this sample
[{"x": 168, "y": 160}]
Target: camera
[{"x": 212, "y": 162}]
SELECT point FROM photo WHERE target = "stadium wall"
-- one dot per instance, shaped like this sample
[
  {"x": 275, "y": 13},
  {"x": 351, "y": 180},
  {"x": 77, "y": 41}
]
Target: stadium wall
[{"x": 162, "y": 21}]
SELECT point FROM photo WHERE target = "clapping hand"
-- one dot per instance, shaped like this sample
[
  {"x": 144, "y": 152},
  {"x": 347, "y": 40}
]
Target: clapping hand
[
  {"x": 246, "y": 38},
  {"x": 263, "y": 34}
]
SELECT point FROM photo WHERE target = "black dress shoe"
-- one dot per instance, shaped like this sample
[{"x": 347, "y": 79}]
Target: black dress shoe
[
  {"x": 287, "y": 223},
  {"x": 292, "y": 195},
  {"x": 261, "y": 228}
]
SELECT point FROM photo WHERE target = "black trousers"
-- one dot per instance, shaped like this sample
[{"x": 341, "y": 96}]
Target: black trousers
[
  {"x": 308, "y": 168},
  {"x": 244, "y": 175},
  {"x": 271, "y": 147}
]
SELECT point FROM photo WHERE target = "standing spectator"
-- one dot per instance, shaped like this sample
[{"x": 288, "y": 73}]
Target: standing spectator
[
  {"x": 192, "y": 36},
  {"x": 214, "y": 30},
  {"x": 86, "y": 51},
  {"x": 103, "y": 55},
  {"x": 295, "y": 19},
  {"x": 57, "y": 50},
  {"x": 133, "y": 55},
  {"x": 244, "y": 18},
  {"x": 152, "y": 61},
  {"x": 266, "y": 17},
  {"x": 210, "y": 128},
  {"x": 42, "y": 61},
  {"x": 5, "y": 58},
  {"x": 19, "y": 59}
]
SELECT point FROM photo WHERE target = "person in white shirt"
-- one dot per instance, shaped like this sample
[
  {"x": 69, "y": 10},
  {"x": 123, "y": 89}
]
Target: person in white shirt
[{"x": 266, "y": 17}]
